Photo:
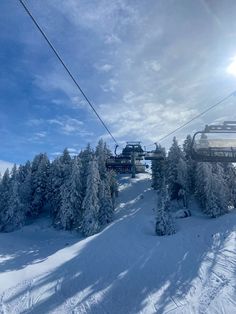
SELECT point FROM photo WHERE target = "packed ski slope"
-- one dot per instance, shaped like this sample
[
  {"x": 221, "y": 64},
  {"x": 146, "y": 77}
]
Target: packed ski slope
[{"x": 124, "y": 269}]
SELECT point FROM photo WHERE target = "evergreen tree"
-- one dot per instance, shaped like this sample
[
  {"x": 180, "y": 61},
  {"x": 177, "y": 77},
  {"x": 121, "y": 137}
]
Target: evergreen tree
[
  {"x": 158, "y": 170},
  {"x": 102, "y": 153},
  {"x": 182, "y": 174},
  {"x": 39, "y": 178},
  {"x": 230, "y": 180},
  {"x": 25, "y": 188},
  {"x": 211, "y": 189},
  {"x": 79, "y": 193},
  {"x": 203, "y": 170},
  {"x": 90, "y": 204},
  {"x": 221, "y": 190},
  {"x": 212, "y": 206},
  {"x": 16, "y": 211},
  {"x": 106, "y": 210},
  {"x": 59, "y": 172},
  {"x": 85, "y": 156},
  {"x": 164, "y": 220},
  {"x": 111, "y": 177},
  {"x": 4, "y": 196},
  {"x": 191, "y": 164},
  {"x": 54, "y": 184},
  {"x": 13, "y": 216},
  {"x": 65, "y": 164},
  {"x": 69, "y": 215},
  {"x": 175, "y": 160}
]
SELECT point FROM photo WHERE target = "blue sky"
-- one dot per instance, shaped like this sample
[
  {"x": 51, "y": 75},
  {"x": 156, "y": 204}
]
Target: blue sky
[{"x": 147, "y": 66}]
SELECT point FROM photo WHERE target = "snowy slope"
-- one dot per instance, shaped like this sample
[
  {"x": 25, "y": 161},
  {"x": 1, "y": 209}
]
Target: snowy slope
[{"x": 125, "y": 268}]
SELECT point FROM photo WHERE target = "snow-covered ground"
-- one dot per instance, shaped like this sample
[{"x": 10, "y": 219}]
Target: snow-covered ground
[{"x": 124, "y": 269}]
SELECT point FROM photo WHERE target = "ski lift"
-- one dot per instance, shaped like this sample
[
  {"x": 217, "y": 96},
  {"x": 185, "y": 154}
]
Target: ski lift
[
  {"x": 133, "y": 147},
  {"x": 157, "y": 154},
  {"x": 119, "y": 164},
  {"x": 216, "y": 143},
  {"x": 131, "y": 156}
]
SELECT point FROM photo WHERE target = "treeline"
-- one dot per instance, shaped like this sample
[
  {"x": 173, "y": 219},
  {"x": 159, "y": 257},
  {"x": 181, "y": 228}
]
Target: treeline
[
  {"x": 78, "y": 192},
  {"x": 180, "y": 178}
]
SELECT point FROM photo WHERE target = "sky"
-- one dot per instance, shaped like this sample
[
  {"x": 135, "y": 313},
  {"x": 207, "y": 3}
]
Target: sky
[{"x": 146, "y": 66}]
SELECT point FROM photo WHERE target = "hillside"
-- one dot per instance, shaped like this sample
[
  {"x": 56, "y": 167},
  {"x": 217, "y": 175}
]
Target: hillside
[{"x": 124, "y": 269}]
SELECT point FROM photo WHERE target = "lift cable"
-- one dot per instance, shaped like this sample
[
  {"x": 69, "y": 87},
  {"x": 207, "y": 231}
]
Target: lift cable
[
  {"x": 194, "y": 118},
  {"x": 67, "y": 69}
]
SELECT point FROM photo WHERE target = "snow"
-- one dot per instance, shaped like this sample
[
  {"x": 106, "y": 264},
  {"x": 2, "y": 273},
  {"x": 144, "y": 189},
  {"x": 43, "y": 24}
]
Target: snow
[{"x": 124, "y": 269}]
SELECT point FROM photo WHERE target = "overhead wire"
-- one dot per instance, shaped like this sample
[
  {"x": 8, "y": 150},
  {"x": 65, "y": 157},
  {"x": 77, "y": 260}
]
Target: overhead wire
[
  {"x": 89, "y": 102},
  {"x": 194, "y": 118},
  {"x": 67, "y": 69}
]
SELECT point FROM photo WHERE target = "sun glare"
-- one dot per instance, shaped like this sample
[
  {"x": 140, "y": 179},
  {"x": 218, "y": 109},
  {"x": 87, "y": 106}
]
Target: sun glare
[{"x": 231, "y": 69}]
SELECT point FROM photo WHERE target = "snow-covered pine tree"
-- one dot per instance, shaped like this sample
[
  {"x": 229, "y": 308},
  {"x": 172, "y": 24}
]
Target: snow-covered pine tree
[
  {"x": 102, "y": 153},
  {"x": 191, "y": 164},
  {"x": 15, "y": 215},
  {"x": 230, "y": 180},
  {"x": 111, "y": 176},
  {"x": 164, "y": 221},
  {"x": 65, "y": 163},
  {"x": 106, "y": 210},
  {"x": 90, "y": 204},
  {"x": 212, "y": 206},
  {"x": 211, "y": 189},
  {"x": 203, "y": 170},
  {"x": 175, "y": 166},
  {"x": 222, "y": 191},
  {"x": 39, "y": 178},
  {"x": 53, "y": 196},
  {"x": 4, "y": 196},
  {"x": 182, "y": 179},
  {"x": 158, "y": 170},
  {"x": 70, "y": 212},
  {"x": 25, "y": 189},
  {"x": 12, "y": 213},
  {"x": 85, "y": 156},
  {"x": 59, "y": 171}
]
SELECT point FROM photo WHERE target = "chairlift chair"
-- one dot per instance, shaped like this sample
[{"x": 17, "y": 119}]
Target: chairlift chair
[
  {"x": 217, "y": 143},
  {"x": 157, "y": 154},
  {"x": 122, "y": 163},
  {"x": 133, "y": 147}
]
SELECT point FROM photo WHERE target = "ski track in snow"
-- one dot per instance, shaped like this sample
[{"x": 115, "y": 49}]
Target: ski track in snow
[{"x": 124, "y": 269}]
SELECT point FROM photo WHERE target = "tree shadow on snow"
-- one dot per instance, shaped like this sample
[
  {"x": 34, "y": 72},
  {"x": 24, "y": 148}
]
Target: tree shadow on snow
[
  {"x": 125, "y": 270},
  {"x": 30, "y": 249}
]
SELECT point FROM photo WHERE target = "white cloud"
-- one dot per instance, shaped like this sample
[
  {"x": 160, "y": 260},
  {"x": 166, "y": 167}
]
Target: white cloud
[
  {"x": 35, "y": 122},
  {"x": 144, "y": 121},
  {"x": 161, "y": 79},
  {"x": 4, "y": 165},
  {"x": 131, "y": 97},
  {"x": 112, "y": 39},
  {"x": 105, "y": 17},
  {"x": 38, "y": 137},
  {"x": 72, "y": 151},
  {"x": 152, "y": 65},
  {"x": 68, "y": 125},
  {"x": 79, "y": 103},
  {"x": 72, "y": 126},
  {"x": 104, "y": 67},
  {"x": 41, "y": 134},
  {"x": 55, "y": 80},
  {"x": 55, "y": 121},
  {"x": 64, "y": 124},
  {"x": 110, "y": 86}
]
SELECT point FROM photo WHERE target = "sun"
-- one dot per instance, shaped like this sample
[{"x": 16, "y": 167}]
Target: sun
[{"x": 231, "y": 69}]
